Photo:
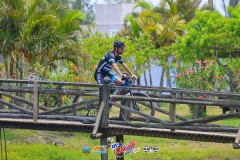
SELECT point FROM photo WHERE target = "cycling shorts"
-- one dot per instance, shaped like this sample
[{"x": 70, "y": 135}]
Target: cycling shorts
[{"x": 99, "y": 76}]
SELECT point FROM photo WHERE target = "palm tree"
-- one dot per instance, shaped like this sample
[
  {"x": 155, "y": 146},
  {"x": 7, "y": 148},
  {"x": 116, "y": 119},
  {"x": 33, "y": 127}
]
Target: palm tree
[
  {"x": 185, "y": 9},
  {"x": 10, "y": 24},
  {"x": 48, "y": 44},
  {"x": 38, "y": 31}
]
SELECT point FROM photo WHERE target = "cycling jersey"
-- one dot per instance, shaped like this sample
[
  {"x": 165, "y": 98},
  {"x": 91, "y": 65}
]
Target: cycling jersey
[{"x": 105, "y": 65}]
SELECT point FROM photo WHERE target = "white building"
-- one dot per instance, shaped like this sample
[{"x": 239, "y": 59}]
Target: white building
[{"x": 110, "y": 17}]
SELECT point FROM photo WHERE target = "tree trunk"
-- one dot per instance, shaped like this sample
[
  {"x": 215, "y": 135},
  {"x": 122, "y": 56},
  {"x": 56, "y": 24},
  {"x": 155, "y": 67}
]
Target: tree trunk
[
  {"x": 168, "y": 77},
  {"x": 225, "y": 8},
  {"x": 233, "y": 3},
  {"x": 6, "y": 66},
  {"x": 11, "y": 70},
  {"x": 150, "y": 76},
  {"x": 162, "y": 77},
  {"x": 145, "y": 79},
  {"x": 210, "y": 2}
]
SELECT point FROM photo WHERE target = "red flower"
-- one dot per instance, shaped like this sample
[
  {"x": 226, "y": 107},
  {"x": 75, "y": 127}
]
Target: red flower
[
  {"x": 204, "y": 62},
  {"x": 202, "y": 68},
  {"x": 198, "y": 61},
  {"x": 192, "y": 71},
  {"x": 213, "y": 60},
  {"x": 178, "y": 75}
]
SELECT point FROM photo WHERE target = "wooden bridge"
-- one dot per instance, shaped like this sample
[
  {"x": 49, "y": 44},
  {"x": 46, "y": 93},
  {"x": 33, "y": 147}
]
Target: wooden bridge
[{"x": 61, "y": 106}]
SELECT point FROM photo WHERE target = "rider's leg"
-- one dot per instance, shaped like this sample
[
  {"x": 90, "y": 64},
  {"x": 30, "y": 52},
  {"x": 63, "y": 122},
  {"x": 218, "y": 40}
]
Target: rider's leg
[{"x": 118, "y": 81}]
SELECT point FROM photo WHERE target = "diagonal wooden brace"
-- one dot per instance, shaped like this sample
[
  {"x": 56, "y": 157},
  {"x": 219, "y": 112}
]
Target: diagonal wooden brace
[
  {"x": 236, "y": 144},
  {"x": 96, "y": 126}
]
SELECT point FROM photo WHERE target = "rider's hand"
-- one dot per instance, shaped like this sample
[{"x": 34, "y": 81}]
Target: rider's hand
[
  {"x": 134, "y": 76},
  {"x": 124, "y": 76}
]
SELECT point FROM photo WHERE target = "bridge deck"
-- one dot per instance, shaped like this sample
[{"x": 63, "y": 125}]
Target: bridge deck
[{"x": 113, "y": 130}]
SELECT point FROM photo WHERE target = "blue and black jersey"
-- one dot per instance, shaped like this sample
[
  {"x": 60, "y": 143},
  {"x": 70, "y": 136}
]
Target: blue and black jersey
[{"x": 105, "y": 65}]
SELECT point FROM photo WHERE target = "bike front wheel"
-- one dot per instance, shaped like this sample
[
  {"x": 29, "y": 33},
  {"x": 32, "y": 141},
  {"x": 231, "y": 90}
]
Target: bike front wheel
[{"x": 146, "y": 107}]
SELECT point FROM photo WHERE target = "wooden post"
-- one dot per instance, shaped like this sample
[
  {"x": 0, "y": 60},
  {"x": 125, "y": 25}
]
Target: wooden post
[
  {"x": 1, "y": 105},
  {"x": 35, "y": 101},
  {"x": 118, "y": 140},
  {"x": 59, "y": 97},
  {"x": 195, "y": 111},
  {"x": 237, "y": 140},
  {"x": 105, "y": 115},
  {"x": 173, "y": 111}
]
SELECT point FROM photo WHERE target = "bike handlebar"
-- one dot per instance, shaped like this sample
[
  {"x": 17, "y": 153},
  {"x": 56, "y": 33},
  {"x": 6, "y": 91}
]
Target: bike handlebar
[{"x": 129, "y": 79}]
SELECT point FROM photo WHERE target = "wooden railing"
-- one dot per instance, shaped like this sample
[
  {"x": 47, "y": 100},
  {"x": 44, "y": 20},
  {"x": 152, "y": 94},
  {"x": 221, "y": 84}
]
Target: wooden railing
[{"x": 23, "y": 99}]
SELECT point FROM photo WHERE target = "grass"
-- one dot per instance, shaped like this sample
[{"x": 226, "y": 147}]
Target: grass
[{"x": 39, "y": 145}]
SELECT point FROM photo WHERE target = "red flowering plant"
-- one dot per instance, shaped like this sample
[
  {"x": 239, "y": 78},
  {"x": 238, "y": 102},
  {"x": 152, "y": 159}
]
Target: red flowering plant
[{"x": 200, "y": 75}]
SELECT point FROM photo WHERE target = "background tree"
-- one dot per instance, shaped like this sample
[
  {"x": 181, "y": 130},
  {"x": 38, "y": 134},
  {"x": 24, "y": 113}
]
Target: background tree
[
  {"x": 85, "y": 6},
  {"x": 38, "y": 33},
  {"x": 206, "y": 40}
]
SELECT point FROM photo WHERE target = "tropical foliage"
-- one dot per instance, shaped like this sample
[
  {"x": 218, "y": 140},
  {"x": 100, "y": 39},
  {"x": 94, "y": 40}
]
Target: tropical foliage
[
  {"x": 212, "y": 36},
  {"x": 38, "y": 34}
]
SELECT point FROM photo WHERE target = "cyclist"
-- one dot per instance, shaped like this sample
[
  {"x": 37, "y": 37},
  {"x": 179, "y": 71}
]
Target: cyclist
[{"x": 109, "y": 61}]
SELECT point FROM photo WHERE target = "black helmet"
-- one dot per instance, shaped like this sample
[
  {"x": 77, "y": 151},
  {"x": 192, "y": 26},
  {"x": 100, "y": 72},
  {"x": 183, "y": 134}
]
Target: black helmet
[{"x": 118, "y": 44}]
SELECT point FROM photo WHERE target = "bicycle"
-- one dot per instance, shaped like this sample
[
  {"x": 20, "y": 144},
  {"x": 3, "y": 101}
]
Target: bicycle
[
  {"x": 143, "y": 106},
  {"x": 91, "y": 106}
]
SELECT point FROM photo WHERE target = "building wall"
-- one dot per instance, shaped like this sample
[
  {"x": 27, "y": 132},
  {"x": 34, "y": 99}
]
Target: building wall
[{"x": 110, "y": 17}]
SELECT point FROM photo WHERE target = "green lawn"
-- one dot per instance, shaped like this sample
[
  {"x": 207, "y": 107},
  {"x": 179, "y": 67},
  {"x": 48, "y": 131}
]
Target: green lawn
[{"x": 39, "y": 145}]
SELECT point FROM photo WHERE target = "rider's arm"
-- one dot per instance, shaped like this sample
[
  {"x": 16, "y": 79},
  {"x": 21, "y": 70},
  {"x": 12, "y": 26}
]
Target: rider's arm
[
  {"x": 125, "y": 66},
  {"x": 115, "y": 67}
]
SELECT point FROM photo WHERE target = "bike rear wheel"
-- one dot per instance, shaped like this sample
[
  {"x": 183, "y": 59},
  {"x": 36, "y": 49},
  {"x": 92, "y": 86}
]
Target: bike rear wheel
[
  {"x": 89, "y": 107},
  {"x": 146, "y": 107}
]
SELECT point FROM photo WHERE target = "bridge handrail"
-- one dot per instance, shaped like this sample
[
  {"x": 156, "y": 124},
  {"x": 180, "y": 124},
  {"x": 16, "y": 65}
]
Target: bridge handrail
[
  {"x": 50, "y": 82},
  {"x": 177, "y": 90}
]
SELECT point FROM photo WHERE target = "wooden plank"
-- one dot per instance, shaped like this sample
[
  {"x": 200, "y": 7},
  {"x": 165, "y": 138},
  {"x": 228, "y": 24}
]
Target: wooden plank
[
  {"x": 178, "y": 90},
  {"x": 49, "y": 91},
  {"x": 153, "y": 119},
  {"x": 50, "y": 83},
  {"x": 10, "y": 105},
  {"x": 22, "y": 100},
  {"x": 99, "y": 116},
  {"x": 188, "y": 128},
  {"x": 165, "y": 112},
  {"x": 83, "y": 119},
  {"x": 213, "y": 103},
  {"x": 209, "y": 119},
  {"x": 237, "y": 140},
  {"x": 67, "y": 107}
]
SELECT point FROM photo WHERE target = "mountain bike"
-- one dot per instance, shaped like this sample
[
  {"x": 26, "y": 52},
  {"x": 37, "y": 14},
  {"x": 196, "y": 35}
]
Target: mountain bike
[{"x": 89, "y": 106}]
